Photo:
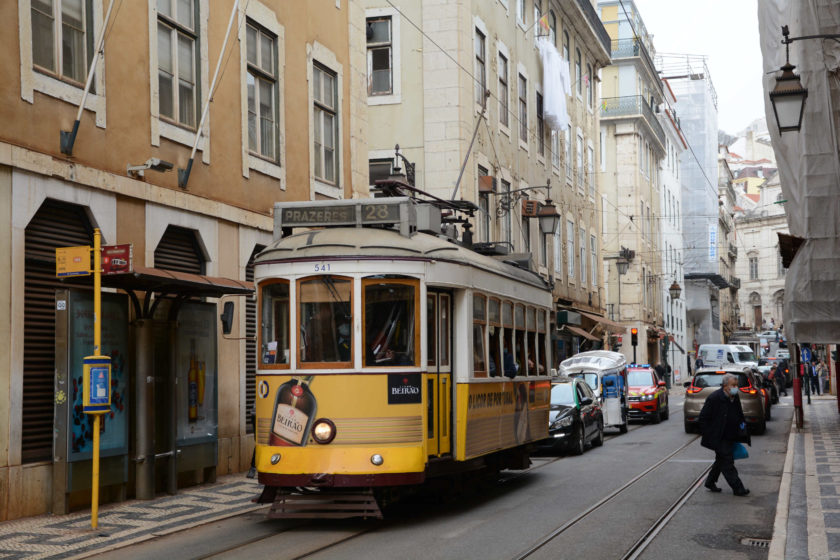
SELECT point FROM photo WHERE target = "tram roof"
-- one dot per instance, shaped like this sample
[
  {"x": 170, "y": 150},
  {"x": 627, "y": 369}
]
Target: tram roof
[{"x": 377, "y": 243}]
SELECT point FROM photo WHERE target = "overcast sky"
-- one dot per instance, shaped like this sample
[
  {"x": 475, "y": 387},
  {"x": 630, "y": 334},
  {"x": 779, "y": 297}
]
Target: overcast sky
[{"x": 727, "y": 32}]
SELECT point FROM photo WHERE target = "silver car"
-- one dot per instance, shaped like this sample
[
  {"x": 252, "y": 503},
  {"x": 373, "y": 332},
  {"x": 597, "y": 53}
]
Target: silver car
[{"x": 708, "y": 380}]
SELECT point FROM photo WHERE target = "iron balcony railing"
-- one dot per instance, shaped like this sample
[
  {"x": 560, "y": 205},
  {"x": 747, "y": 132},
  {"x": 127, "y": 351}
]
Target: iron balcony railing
[
  {"x": 595, "y": 22},
  {"x": 632, "y": 105},
  {"x": 735, "y": 282},
  {"x": 628, "y": 48}
]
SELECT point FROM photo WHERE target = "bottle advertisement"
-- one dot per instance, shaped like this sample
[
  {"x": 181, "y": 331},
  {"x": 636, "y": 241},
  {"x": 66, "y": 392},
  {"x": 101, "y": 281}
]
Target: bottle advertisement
[
  {"x": 197, "y": 415},
  {"x": 113, "y": 430},
  {"x": 294, "y": 410}
]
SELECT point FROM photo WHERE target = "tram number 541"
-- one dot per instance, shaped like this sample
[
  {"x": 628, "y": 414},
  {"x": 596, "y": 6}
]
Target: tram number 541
[{"x": 322, "y": 267}]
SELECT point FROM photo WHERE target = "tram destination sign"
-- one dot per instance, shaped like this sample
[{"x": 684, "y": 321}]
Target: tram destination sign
[{"x": 344, "y": 213}]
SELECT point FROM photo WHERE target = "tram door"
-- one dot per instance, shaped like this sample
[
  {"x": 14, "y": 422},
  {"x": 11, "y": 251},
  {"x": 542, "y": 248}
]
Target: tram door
[{"x": 439, "y": 380}]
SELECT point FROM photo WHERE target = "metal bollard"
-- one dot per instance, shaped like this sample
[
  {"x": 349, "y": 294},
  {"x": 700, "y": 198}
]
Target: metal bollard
[{"x": 797, "y": 402}]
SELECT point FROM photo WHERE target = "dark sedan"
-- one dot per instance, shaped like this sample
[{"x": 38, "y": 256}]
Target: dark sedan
[{"x": 576, "y": 418}]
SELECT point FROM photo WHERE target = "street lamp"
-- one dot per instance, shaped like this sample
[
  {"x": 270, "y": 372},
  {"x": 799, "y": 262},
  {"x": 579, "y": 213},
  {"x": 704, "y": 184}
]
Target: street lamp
[
  {"x": 548, "y": 217},
  {"x": 788, "y": 97},
  {"x": 675, "y": 291}
]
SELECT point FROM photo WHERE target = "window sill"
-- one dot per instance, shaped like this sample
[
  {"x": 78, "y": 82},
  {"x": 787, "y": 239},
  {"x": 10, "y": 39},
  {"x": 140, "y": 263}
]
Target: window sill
[
  {"x": 504, "y": 130},
  {"x": 523, "y": 145},
  {"x": 327, "y": 189},
  {"x": 268, "y": 168},
  {"x": 179, "y": 134},
  {"x": 391, "y": 99},
  {"x": 66, "y": 91}
]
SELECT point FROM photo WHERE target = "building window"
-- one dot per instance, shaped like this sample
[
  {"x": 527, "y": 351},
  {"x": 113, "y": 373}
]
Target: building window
[
  {"x": 589, "y": 88},
  {"x": 526, "y": 234},
  {"x": 537, "y": 18},
  {"x": 580, "y": 175},
  {"x": 555, "y": 149},
  {"x": 582, "y": 249},
  {"x": 566, "y": 50},
  {"x": 262, "y": 92},
  {"x": 379, "y": 169},
  {"x": 552, "y": 27},
  {"x": 520, "y": 11},
  {"x": 480, "y": 67},
  {"x": 60, "y": 38},
  {"x": 570, "y": 248},
  {"x": 558, "y": 252},
  {"x": 504, "y": 117},
  {"x": 325, "y": 110},
  {"x": 379, "y": 56},
  {"x": 780, "y": 268},
  {"x": 177, "y": 40},
  {"x": 540, "y": 126},
  {"x": 523, "y": 108},
  {"x": 543, "y": 248},
  {"x": 753, "y": 268},
  {"x": 569, "y": 157},
  {"x": 593, "y": 253},
  {"x": 578, "y": 73},
  {"x": 590, "y": 170}
]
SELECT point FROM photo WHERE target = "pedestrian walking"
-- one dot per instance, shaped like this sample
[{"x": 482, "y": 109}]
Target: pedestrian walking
[
  {"x": 722, "y": 424},
  {"x": 813, "y": 378},
  {"x": 822, "y": 373}
]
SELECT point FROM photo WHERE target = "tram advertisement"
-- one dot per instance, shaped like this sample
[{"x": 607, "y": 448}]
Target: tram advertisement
[
  {"x": 365, "y": 409},
  {"x": 501, "y": 415}
]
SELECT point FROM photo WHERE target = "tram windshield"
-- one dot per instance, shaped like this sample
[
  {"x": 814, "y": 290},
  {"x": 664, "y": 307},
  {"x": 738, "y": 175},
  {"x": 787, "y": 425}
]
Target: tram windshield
[
  {"x": 325, "y": 319},
  {"x": 390, "y": 337}
]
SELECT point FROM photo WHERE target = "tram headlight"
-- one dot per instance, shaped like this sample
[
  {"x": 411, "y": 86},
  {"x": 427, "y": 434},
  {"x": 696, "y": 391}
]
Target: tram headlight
[
  {"x": 275, "y": 458},
  {"x": 323, "y": 431},
  {"x": 376, "y": 459}
]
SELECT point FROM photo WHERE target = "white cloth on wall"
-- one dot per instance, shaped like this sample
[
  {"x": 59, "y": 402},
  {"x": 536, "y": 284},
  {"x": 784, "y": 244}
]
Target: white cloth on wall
[{"x": 556, "y": 86}]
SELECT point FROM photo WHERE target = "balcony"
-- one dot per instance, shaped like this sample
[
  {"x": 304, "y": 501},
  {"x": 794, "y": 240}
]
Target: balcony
[
  {"x": 733, "y": 251},
  {"x": 595, "y": 22},
  {"x": 631, "y": 48},
  {"x": 734, "y": 283},
  {"x": 633, "y": 106}
]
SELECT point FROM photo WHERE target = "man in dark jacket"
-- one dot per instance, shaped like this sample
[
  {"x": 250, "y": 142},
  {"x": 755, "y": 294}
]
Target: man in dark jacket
[{"x": 721, "y": 423}]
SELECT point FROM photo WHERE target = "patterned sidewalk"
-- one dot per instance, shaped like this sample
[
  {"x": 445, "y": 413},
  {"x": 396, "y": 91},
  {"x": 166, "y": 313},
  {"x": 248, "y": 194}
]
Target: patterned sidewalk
[
  {"x": 824, "y": 423},
  {"x": 126, "y": 523}
]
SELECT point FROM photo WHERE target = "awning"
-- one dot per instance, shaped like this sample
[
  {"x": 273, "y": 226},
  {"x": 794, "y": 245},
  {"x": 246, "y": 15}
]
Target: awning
[
  {"x": 579, "y": 332},
  {"x": 607, "y": 324},
  {"x": 169, "y": 282}
]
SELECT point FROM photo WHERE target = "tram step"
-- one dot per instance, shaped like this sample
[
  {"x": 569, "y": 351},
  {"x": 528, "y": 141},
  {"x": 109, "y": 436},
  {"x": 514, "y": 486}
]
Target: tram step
[{"x": 324, "y": 505}]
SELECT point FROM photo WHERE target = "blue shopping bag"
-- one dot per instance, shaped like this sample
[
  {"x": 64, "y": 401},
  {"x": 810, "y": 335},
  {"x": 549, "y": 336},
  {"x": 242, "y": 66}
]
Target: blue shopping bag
[{"x": 739, "y": 451}]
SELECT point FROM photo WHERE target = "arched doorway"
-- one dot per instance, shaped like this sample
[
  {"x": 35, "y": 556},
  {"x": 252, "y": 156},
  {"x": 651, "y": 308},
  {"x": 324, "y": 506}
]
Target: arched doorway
[{"x": 755, "y": 303}]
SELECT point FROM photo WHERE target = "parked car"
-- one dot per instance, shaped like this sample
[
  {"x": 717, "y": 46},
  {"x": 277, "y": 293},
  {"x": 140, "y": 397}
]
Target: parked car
[
  {"x": 764, "y": 370},
  {"x": 783, "y": 354},
  {"x": 708, "y": 380},
  {"x": 575, "y": 418},
  {"x": 725, "y": 354},
  {"x": 648, "y": 394}
]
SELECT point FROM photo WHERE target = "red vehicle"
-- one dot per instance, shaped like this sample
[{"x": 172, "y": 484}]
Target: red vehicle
[{"x": 648, "y": 394}]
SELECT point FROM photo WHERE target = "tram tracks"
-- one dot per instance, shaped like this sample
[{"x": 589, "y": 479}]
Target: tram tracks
[{"x": 650, "y": 534}]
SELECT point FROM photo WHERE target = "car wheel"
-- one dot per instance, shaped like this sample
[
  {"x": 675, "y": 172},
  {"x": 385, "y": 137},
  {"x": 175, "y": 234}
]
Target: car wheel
[
  {"x": 599, "y": 441},
  {"x": 768, "y": 416},
  {"x": 622, "y": 429},
  {"x": 579, "y": 444},
  {"x": 667, "y": 412},
  {"x": 689, "y": 429},
  {"x": 656, "y": 417},
  {"x": 759, "y": 428}
]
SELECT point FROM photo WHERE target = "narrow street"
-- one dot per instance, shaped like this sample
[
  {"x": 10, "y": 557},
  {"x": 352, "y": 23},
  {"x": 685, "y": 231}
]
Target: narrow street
[{"x": 601, "y": 503}]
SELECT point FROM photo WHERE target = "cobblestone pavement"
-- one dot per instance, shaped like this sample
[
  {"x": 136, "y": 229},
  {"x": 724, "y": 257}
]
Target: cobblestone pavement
[{"x": 71, "y": 536}]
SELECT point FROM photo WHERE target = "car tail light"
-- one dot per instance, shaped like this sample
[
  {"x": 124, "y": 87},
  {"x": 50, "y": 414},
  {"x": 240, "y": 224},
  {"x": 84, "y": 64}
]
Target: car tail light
[
  {"x": 693, "y": 389},
  {"x": 749, "y": 390}
]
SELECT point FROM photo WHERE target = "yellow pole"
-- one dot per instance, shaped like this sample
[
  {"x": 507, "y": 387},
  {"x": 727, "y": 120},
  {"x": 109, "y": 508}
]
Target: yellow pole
[{"x": 97, "y": 317}]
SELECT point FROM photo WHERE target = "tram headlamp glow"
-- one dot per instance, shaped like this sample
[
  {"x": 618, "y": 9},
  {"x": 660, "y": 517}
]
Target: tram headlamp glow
[
  {"x": 376, "y": 459},
  {"x": 323, "y": 431},
  {"x": 275, "y": 458}
]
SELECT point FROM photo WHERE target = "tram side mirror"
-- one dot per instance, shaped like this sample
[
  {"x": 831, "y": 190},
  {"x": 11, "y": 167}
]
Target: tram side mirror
[{"x": 227, "y": 317}]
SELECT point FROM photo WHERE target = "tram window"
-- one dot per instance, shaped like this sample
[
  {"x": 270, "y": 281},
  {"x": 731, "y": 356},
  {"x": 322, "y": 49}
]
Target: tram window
[
  {"x": 494, "y": 323},
  {"x": 326, "y": 320},
  {"x": 274, "y": 323},
  {"x": 541, "y": 330},
  {"x": 431, "y": 331},
  {"x": 507, "y": 315},
  {"x": 479, "y": 324},
  {"x": 494, "y": 312},
  {"x": 391, "y": 322},
  {"x": 519, "y": 340},
  {"x": 443, "y": 339}
]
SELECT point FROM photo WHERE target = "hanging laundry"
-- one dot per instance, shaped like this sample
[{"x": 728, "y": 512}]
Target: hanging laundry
[{"x": 556, "y": 86}]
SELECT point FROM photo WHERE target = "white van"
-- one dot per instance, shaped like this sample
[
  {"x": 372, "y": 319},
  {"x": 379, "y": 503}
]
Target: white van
[{"x": 723, "y": 354}]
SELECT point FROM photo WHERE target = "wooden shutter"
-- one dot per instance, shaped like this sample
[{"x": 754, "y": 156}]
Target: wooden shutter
[
  {"x": 251, "y": 345},
  {"x": 56, "y": 224},
  {"x": 179, "y": 251}
]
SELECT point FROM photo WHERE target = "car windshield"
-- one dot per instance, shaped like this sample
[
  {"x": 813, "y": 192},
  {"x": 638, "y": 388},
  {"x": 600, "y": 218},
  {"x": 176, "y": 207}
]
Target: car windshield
[
  {"x": 561, "y": 393},
  {"x": 703, "y": 380},
  {"x": 639, "y": 377},
  {"x": 745, "y": 356}
]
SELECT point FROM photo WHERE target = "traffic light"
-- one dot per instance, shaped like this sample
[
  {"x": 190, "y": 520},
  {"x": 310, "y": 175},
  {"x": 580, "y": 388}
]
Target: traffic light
[{"x": 634, "y": 337}]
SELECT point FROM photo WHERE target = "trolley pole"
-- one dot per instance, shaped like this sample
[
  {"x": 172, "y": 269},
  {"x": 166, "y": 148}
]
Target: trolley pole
[{"x": 97, "y": 351}]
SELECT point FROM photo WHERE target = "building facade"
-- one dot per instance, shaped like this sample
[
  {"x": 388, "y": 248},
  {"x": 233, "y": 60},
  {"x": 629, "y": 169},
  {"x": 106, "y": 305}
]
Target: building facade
[
  {"x": 464, "y": 99},
  {"x": 728, "y": 250},
  {"x": 635, "y": 146},
  {"x": 287, "y": 122}
]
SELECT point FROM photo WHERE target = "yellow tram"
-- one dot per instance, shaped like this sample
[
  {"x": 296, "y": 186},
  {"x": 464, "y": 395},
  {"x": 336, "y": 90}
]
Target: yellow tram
[{"x": 390, "y": 355}]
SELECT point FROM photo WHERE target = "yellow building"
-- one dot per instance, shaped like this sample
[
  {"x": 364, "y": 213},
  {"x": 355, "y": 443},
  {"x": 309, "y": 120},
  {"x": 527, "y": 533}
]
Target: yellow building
[{"x": 287, "y": 121}]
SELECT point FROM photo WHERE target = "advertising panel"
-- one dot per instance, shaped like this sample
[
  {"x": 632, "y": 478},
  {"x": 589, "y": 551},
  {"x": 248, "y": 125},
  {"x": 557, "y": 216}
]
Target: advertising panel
[
  {"x": 196, "y": 373},
  {"x": 113, "y": 430}
]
